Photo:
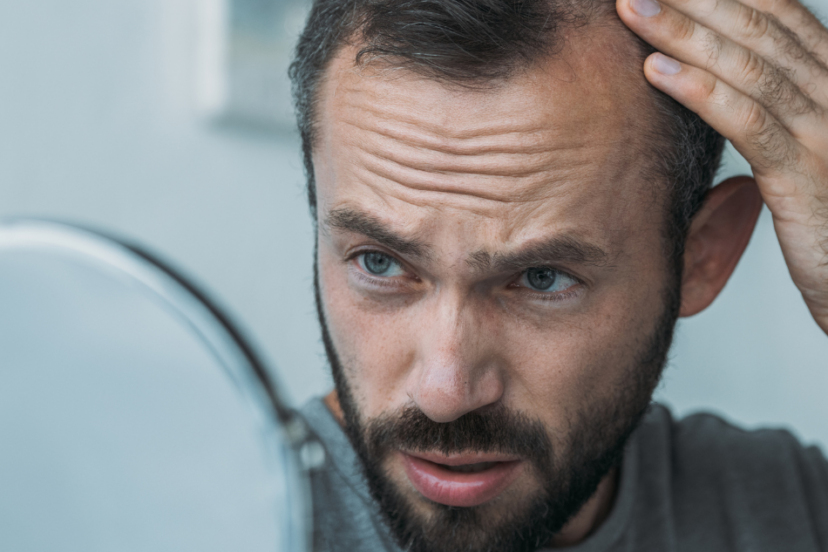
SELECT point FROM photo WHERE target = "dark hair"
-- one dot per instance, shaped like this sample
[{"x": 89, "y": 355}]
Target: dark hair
[{"x": 478, "y": 42}]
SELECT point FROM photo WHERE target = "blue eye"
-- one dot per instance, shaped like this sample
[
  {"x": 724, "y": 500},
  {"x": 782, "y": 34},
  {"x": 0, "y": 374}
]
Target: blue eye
[
  {"x": 544, "y": 278},
  {"x": 380, "y": 264}
]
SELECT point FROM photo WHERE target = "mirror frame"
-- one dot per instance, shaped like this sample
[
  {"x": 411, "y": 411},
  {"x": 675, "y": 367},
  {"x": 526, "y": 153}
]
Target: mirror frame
[{"x": 212, "y": 325}]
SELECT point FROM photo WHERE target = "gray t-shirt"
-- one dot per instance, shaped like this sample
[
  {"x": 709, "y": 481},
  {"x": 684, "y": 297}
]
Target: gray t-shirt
[{"x": 698, "y": 484}]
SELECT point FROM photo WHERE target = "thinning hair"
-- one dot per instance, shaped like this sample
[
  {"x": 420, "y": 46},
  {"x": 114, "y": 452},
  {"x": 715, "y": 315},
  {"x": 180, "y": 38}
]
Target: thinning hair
[{"x": 482, "y": 42}]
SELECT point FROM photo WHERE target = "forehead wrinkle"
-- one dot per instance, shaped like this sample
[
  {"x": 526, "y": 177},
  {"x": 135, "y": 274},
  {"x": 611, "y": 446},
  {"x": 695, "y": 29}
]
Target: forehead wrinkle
[
  {"x": 389, "y": 192},
  {"x": 385, "y": 178},
  {"x": 496, "y": 137},
  {"x": 512, "y": 141},
  {"x": 445, "y": 204},
  {"x": 351, "y": 93},
  {"x": 494, "y": 160},
  {"x": 530, "y": 155},
  {"x": 497, "y": 181},
  {"x": 492, "y": 187},
  {"x": 397, "y": 107},
  {"x": 505, "y": 165}
]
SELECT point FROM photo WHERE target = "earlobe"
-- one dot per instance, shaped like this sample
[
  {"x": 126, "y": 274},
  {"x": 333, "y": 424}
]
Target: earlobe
[{"x": 717, "y": 238}]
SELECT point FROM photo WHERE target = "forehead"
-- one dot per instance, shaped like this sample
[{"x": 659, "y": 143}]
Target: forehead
[{"x": 557, "y": 146}]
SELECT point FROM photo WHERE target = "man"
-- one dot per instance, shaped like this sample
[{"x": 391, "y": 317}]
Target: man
[{"x": 510, "y": 218}]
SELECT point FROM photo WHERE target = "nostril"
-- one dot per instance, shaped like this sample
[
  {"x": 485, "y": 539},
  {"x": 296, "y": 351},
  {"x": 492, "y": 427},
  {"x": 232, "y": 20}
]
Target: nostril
[{"x": 444, "y": 397}]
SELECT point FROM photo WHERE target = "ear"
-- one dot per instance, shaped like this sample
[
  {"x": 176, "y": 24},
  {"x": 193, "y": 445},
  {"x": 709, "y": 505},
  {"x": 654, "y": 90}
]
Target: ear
[{"x": 717, "y": 238}]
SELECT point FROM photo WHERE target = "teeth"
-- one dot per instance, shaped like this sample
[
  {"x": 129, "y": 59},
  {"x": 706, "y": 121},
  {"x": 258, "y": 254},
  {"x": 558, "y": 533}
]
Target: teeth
[{"x": 471, "y": 468}]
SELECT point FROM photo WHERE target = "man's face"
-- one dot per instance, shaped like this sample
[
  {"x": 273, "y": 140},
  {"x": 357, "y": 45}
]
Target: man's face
[{"x": 492, "y": 277}]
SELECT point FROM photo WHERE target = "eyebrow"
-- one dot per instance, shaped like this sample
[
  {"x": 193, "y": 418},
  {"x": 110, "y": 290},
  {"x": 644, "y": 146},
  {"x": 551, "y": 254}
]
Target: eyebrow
[
  {"x": 560, "y": 249},
  {"x": 352, "y": 220}
]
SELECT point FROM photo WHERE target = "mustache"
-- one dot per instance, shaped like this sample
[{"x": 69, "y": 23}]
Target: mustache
[{"x": 494, "y": 430}]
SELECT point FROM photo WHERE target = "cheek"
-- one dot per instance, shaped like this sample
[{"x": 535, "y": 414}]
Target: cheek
[
  {"x": 375, "y": 346},
  {"x": 568, "y": 366}
]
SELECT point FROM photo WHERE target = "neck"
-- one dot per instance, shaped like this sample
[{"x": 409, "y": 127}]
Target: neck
[
  {"x": 591, "y": 515},
  {"x": 332, "y": 402}
]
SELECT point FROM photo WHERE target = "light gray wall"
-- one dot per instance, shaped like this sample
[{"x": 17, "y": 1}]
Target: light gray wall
[{"x": 97, "y": 125}]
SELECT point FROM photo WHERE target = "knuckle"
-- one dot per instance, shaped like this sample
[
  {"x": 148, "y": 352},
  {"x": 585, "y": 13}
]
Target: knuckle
[
  {"x": 768, "y": 139},
  {"x": 755, "y": 120},
  {"x": 798, "y": 103},
  {"x": 683, "y": 28},
  {"x": 713, "y": 45},
  {"x": 785, "y": 39},
  {"x": 776, "y": 90},
  {"x": 781, "y": 6},
  {"x": 706, "y": 90},
  {"x": 776, "y": 6},
  {"x": 751, "y": 67},
  {"x": 755, "y": 25}
]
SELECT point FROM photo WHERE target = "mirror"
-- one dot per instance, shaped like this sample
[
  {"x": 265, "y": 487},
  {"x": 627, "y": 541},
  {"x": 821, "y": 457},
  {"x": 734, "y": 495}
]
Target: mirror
[{"x": 133, "y": 416}]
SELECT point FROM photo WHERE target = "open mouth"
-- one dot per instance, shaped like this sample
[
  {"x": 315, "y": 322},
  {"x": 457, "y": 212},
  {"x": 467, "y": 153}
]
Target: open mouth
[
  {"x": 470, "y": 468},
  {"x": 461, "y": 481}
]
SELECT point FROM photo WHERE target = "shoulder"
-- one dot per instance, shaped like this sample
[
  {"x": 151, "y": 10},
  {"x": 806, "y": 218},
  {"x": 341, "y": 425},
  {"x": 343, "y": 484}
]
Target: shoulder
[
  {"x": 345, "y": 517},
  {"x": 759, "y": 484},
  {"x": 706, "y": 445},
  {"x": 707, "y": 441}
]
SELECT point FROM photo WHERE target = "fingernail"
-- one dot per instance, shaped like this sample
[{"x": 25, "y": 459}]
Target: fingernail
[
  {"x": 645, "y": 8},
  {"x": 665, "y": 65}
]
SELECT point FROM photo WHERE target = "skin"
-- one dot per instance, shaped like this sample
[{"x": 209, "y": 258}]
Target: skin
[{"x": 470, "y": 177}]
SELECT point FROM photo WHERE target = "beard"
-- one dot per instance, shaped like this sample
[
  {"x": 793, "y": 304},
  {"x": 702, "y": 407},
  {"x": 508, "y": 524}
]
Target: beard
[{"x": 568, "y": 468}]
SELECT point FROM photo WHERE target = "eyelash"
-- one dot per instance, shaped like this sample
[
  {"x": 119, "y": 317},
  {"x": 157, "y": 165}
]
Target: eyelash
[
  {"x": 559, "y": 296},
  {"x": 373, "y": 280},
  {"x": 378, "y": 282},
  {"x": 388, "y": 283},
  {"x": 570, "y": 292}
]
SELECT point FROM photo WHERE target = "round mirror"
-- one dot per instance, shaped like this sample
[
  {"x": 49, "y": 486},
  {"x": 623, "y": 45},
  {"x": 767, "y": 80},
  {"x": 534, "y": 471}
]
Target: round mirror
[{"x": 133, "y": 417}]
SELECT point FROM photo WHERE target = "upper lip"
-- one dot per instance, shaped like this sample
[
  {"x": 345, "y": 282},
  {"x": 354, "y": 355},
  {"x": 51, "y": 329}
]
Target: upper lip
[{"x": 462, "y": 459}]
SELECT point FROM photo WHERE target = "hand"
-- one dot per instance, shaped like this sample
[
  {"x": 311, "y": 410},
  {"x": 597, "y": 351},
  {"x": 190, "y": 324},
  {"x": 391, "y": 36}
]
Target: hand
[{"x": 755, "y": 70}]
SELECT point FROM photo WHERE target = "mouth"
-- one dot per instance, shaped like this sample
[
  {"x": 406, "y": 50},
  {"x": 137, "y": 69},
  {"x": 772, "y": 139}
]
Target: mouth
[{"x": 463, "y": 480}]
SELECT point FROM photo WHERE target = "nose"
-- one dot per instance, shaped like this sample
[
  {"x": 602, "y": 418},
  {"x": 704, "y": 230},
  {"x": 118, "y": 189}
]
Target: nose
[{"x": 457, "y": 369}]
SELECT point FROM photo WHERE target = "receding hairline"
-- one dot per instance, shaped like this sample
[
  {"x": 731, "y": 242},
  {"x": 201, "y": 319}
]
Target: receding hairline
[
  {"x": 346, "y": 58},
  {"x": 560, "y": 17}
]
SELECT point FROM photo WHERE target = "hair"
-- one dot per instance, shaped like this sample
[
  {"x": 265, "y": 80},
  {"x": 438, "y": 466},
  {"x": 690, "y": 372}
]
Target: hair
[{"x": 482, "y": 42}]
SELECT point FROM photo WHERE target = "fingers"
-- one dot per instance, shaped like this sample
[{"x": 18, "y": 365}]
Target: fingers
[
  {"x": 767, "y": 35},
  {"x": 755, "y": 70},
  {"x": 755, "y": 132},
  {"x": 793, "y": 15},
  {"x": 679, "y": 36}
]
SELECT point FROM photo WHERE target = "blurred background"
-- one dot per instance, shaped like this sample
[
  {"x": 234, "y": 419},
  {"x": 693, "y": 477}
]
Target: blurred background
[{"x": 169, "y": 121}]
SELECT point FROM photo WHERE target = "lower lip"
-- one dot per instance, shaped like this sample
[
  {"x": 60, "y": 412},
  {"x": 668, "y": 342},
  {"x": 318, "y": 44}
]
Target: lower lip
[{"x": 460, "y": 489}]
